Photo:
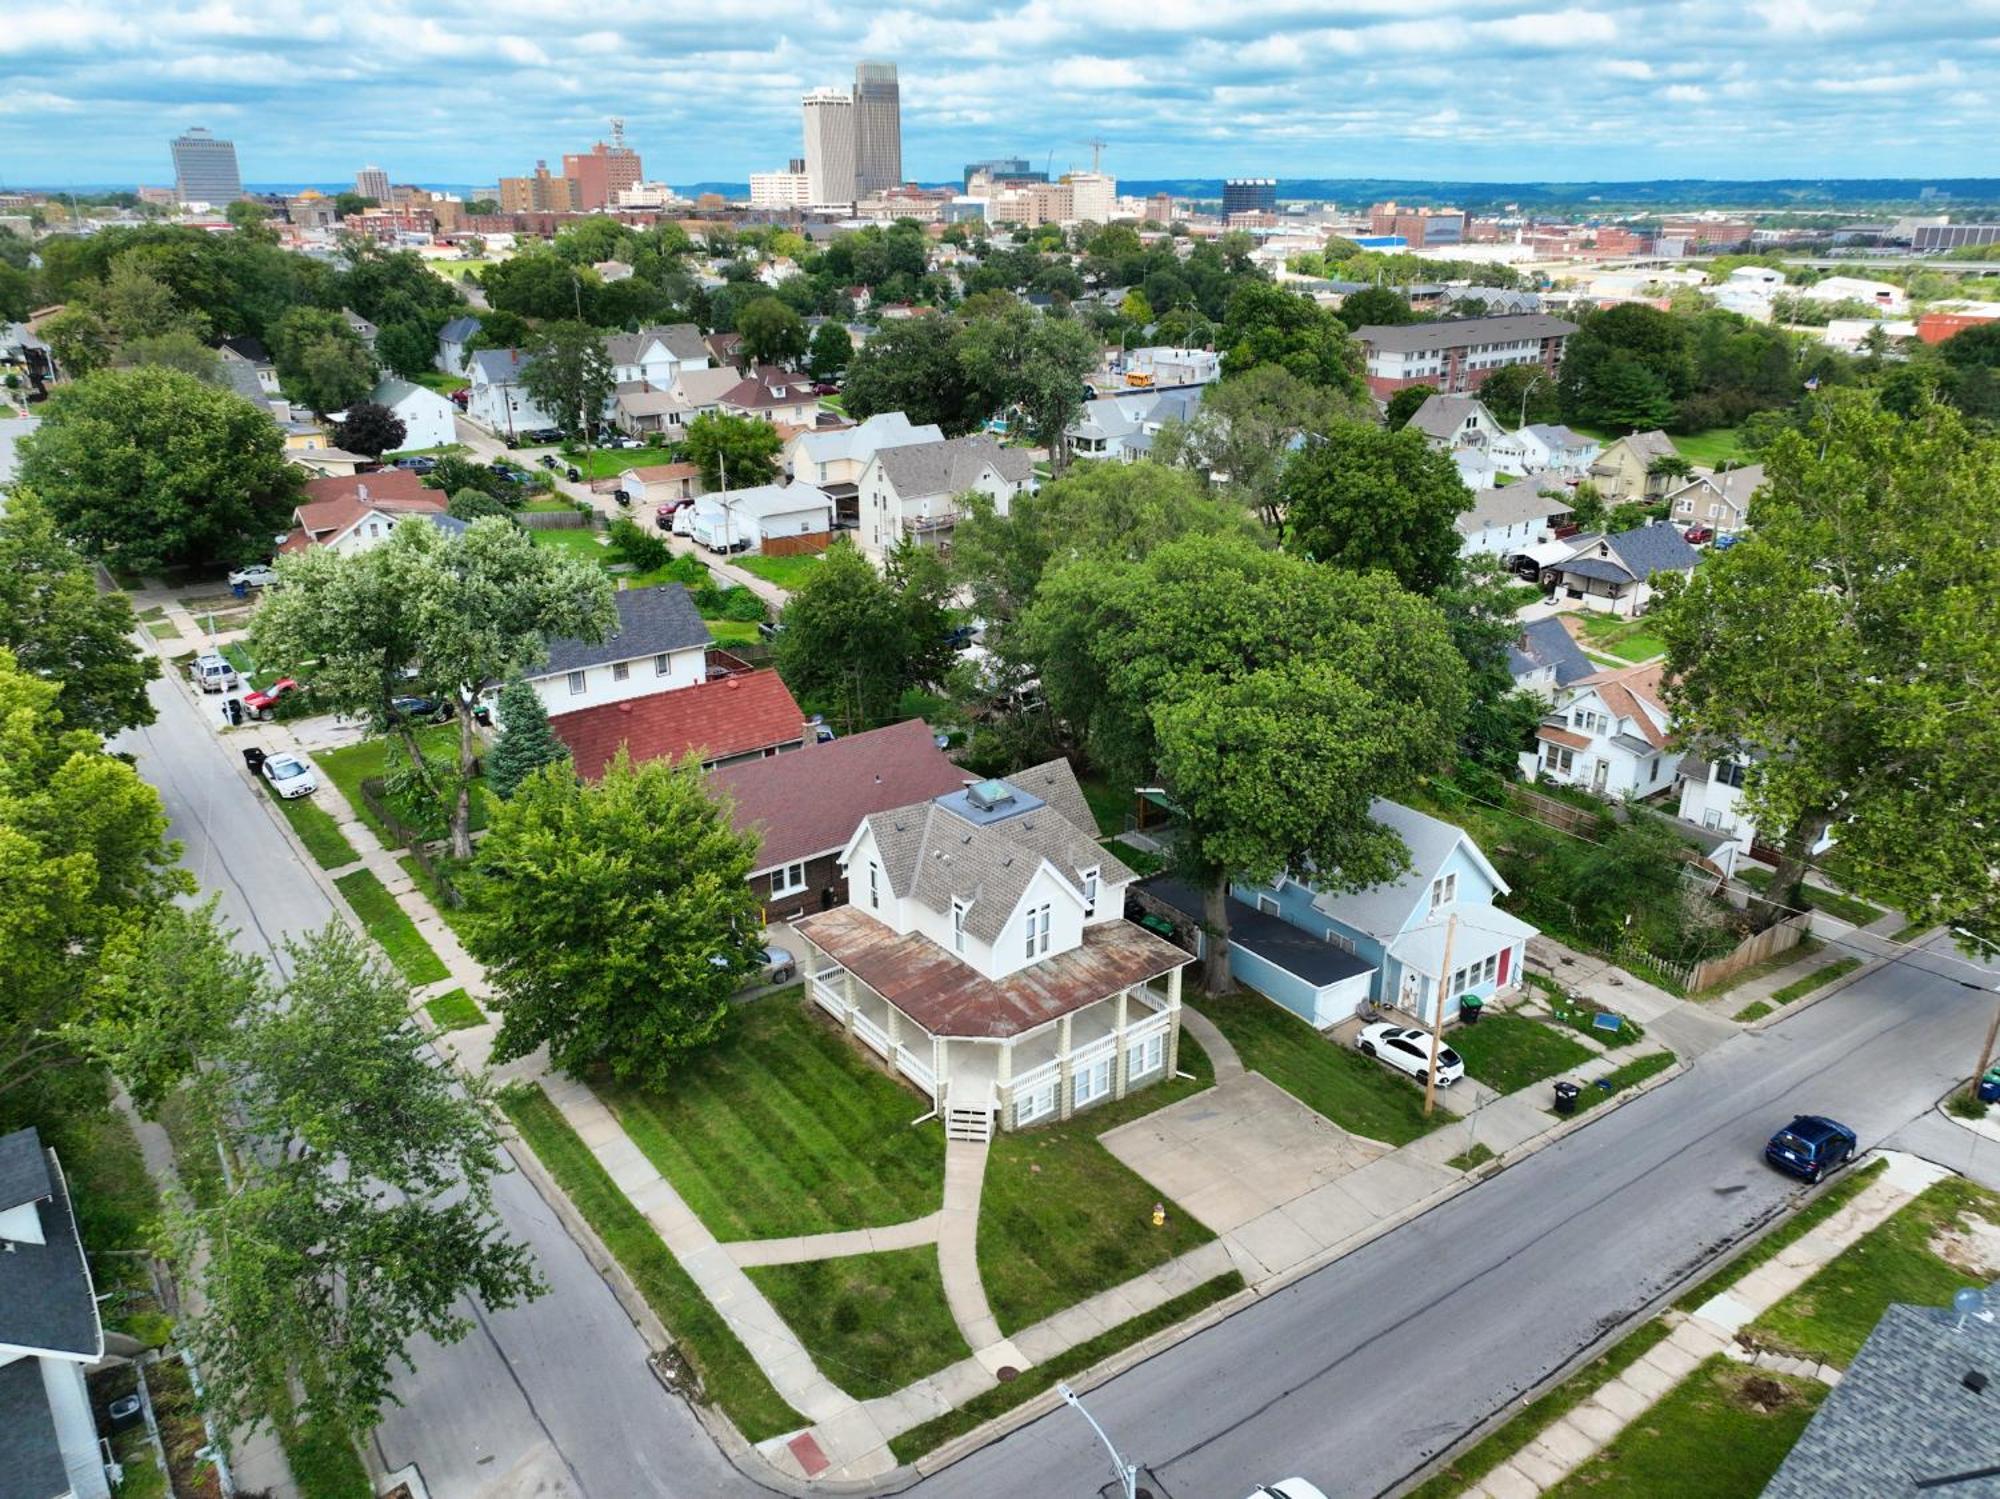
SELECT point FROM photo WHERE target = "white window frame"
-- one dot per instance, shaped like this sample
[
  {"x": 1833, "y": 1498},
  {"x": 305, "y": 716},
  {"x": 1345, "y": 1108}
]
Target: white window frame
[
  {"x": 874, "y": 887},
  {"x": 1558, "y": 759},
  {"x": 1036, "y": 1103},
  {"x": 1090, "y": 884},
  {"x": 1096, "y": 1078},
  {"x": 788, "y": 879},
  {"x": 663, "y": 664},
  {"x": 620, "y": 670},
  {"x": 1148, "y": 1057},
  {"x": 1444, "y": 889},
  {"x": 1043, "y": 914},
  {"x": 579, "y": 683},
  {"x": 958, "y": 926}
]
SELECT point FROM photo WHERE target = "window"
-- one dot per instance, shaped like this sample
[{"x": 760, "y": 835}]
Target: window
[
  {"x": 1344, "y": 943},
  {"x": 1712, "y": 820},
  {"x": 1150, "y": 1055},
  {"x": 1656, "y": 769},
  {"x": 788, "y": 880},
  {"x": 1729, "y": 773},
  {"x": 576, "y": 681},
  {"x": 1556, "y": 758},
  {"x": 662, "y": 665},
  {"x": 1038, "y": 1104},
  {"x": 1093, "y": 1082},
  {"x": 958, "y": 926},
  {"x": 1266, "y": 904},
  {"x": 1490, "y": 968},
  {"x": 1089, "y": 893},
  {"x": 874, "y": 888},
  {"x": 1037, "y": 933},
  {"x": 620, "y": 670},
  {"x": 1444, "y": 890}
]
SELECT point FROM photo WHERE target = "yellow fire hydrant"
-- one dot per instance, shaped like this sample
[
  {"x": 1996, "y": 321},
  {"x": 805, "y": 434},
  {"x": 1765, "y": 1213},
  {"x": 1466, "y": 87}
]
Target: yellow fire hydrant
[{"x": 1159, "y": 1215}]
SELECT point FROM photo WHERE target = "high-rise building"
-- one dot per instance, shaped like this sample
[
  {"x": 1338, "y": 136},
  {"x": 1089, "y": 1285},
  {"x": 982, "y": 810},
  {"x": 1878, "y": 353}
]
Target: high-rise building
[
  {"x": 1249, "y": 195},
  {"x": 205, "y": 169},
  {"x": 372, "y": 182},
  {"x": 603, "y": 172},
  {"x": 541, "y": 193},
  {"x": 1015, "y": 167},
  {"x": 780, "y": 190},
  {"x": 878, "y": 125},
  {"x": 831, "y": 161},
  {"x": 1093, "y": 196}
]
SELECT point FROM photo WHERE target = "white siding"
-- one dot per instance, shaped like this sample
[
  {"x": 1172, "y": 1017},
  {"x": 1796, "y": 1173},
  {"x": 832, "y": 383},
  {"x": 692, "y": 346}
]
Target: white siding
[{"x": 601, "y": 684}]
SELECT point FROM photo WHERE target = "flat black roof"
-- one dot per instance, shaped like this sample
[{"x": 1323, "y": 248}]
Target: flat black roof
[{"x": 1271, "y": 938}]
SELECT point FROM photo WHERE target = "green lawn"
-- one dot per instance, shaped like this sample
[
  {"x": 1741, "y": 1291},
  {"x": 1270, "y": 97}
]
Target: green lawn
[
  {"x": 347, "y": 768},
  {"x": 549, "y": 504},
  {"x": 579, "y": 541},
  {"x": 1756, "y": 1010},
  {"x": 1615, "y": 1082},
  {"x": 1830, "y": 1316},
  {"x": 1714, "y": 446},
  {"x": 1909, "y": 933},
  {"x": 730, "y": 1378},
  {"x": 237, "y": 654},
  {"x": 1355, "y": 1092},
  {"x": 1509, "y": 1052},
  {"x": 454, "y": 1010},
  {"x": 1719, "y": 1434},
  {"x": 1630, "y": 640},
  {"x": 1110, "y": 805},
  {"x": 872, "y": 1322},
  {"x": 608, "y": 463},
  {"x": 1804, "y": 1221},
  {"x": 1819, "y": 978},
  {"x": 440, "y": 382},
  {"x": 997, "y": 1401},
  {"x": 1472, "y": 1158},
  {"x": 1061, "y": 1218},
  {"x": 732, "y": 631},
  {"x": 420, "y": 877},
  {"x": 1773, "y": 964},
  {"x": 316, "y": 829},
  {"x": 1582, "y": 1014},
  {"x": 787, "y": 572},
  {"x": 781, "y": 1128},
  {"x": 391, "y": 927},
  {"x": 1509, "y": 1438},
  {"x": 1835, "y": 903}
]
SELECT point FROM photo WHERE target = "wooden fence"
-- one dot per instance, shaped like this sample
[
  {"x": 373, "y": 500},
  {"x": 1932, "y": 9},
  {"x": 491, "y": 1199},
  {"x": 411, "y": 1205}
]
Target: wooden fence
[
  {"x": 1557, "y": 814},
  {"x": 1754, "y": 949},
  {"x": 554, "y": 520}
]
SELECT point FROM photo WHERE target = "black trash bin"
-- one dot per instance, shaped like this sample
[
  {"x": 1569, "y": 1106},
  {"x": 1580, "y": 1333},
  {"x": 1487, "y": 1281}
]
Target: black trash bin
[
  {"x": 1566, "y": 1097},
  {"x": 1469, "y": 1009},
  {"x": 254, "y": 758},
  {"x": 233, "y": 710}
]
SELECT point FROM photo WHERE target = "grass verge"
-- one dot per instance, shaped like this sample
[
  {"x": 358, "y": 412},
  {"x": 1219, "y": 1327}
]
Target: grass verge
[
  {"x": 1718, "y": 1434},
  {"x": 316, "y": 829},
  {"x": 729, "y": 1376},
  {"x": 1846, "y": 907},
  {"x": 454, "y": 1010},
  {"x": 784, "y": 1129},
  {"x": 1818, "y": 978},
  {"x": 348, "y": 767},
  {"x": 997, "y": 1401},
  {"x": 1510, "y": 1052},
  {"x": 1794, "y": 1228},
  {"x": 1473, "y": 1464},
  {"x": 1629, "y": 1076},
  {"x": 1908, "y": 933},
  {"x": 1830, "y": 1316},
  {"x": 390, "y": 925},
  {"x": 1755, "y": 1011},
  {"x": 872, "y": 1322},
  {"x": 1777, "y": 962},
  {"x": 1354, "y": 1092},
  {"x": 1471, "y": 1160},
  {"x": 789, "y": 573}
]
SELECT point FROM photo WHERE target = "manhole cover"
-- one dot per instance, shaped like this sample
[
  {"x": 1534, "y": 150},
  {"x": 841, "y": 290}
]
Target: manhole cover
[{"x": 1006, "y": 1372}]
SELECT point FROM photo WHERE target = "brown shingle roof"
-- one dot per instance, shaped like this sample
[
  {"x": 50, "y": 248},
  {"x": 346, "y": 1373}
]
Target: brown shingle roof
[{"x": 734, "y": 716}]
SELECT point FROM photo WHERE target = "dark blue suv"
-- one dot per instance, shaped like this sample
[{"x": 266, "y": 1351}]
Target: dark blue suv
[{"x": 1810, "y": 1147}]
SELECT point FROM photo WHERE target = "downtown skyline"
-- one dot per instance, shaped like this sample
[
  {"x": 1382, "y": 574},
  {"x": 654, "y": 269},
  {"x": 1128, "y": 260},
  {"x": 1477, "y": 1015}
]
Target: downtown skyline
[{"x": 452, "y": 92}]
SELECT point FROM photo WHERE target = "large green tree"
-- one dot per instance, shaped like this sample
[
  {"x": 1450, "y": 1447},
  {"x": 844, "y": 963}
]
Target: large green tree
[
  {"x": 321, "y": 360},
  {"x": 1026, "y": 361},
  {"x": 1268, "y": 324},
  {"x": 739, "y": 449},
  {"x": 149, "y": 468},
  {"x": 1625, "y": 367},
  {"x": 830, "y": 352},
  {"x": 1366, "y": 498},
  {"x": 1245, "y": 429},
  {"x": 1846, "y": 648},
  {"x": 569, "y": 375},
  {"x": 614, "y": 920},
  {"x": 63, "y": 630},
  {"x": 1521, "y": 393},
  {"x": 772, "y": 332},
  {"x": 854, "y": 640},
  {"x": 1271, "y": 697},
  {"x": 1375, "y": 306},
  {"x": 370, "y": 429},
  {"x": 912, "y": 365}
]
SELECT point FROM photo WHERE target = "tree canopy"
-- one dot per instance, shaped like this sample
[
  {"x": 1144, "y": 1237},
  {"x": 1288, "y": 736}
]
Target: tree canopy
[
  {"x": 370, "y": 429},
  {"x": 854, "y": 640},
  {"x": 912, "y": 365},
  {"x": 772, "y": 332},
  {"x": 740, "y": 450},
  {"x": 569, "y": 375},
  {"x": 321, "y": 360},
  {"x": 1269, "y": 324},
  {"x": 1024, "y": 360},
  {"x": 1367, "y": 498},
  {"x": 1245, "y": 428},
  {"x": 526, "y": 741}
]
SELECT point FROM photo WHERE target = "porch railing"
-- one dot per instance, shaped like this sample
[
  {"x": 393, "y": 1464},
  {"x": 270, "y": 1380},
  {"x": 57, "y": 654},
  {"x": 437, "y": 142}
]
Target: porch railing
[
  {"x": 827, "y": 994},
  {"x": 916, "y": 1070},
  {"x": 876, "y": 1039}
]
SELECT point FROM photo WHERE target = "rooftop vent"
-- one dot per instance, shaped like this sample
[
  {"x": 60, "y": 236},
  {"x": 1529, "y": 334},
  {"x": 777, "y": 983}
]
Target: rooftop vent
[
  {"x": 989, "y": 795},
  {"x": 1974, "y": 1381}
]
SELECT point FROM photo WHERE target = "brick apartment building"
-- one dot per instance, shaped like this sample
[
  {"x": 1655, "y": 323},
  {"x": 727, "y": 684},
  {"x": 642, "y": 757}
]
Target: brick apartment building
[
  {"x": 601, "y": 174},
  {"x": 1457, "y": 356},
  {"x": 1421, "y": 227}
]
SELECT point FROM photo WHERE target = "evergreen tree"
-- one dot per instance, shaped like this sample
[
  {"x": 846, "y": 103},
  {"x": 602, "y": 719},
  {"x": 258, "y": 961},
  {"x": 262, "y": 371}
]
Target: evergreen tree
[{"x": 526, "y": 741}]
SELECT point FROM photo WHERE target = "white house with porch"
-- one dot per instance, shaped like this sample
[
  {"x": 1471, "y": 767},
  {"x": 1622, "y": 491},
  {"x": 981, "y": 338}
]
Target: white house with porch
[{"x": 985, "y": 956}]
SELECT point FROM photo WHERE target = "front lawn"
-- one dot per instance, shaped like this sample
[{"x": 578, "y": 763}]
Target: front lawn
[
  {"x": 1581, "y": 1014},
  {"x": 347, "y": 768},
  {"x": 420, "y": 877},
  {"x": 730, "y": 1378},
  {"x": 237, "y": 654},
  {"x": 1830, "y": 1316},
  {"x": 873, "y": 1323},
  {"x": 1061, "y": 1218},
  {"x": 1847, "y": 908},
  {"x": 1355, "y": 1092},
  {"x": 1629, "y": 1076},
  {"x": 1719, "y": 1434},
  {"x": 781, "y": 1128},
  {"x": 1716, "y": 445},
  {"x": 1509, "y": 1052},
  {"x": 440, "y": 382},
  {"x": 732, "y": 631},
  {"x": 390, "y": 925},
  {"x": 578, "y": 541},
  {"x": 1630, "y": 640},
  {"x": 789, "y": 573},
  {"x": 454, "y": 1010},
  {"x": 609, "y": 463},
  {"x": 316, "y": 829}
]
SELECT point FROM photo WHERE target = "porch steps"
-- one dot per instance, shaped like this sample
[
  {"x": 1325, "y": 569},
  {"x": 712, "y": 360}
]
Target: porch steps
[{"x": 972, "y": 1125}]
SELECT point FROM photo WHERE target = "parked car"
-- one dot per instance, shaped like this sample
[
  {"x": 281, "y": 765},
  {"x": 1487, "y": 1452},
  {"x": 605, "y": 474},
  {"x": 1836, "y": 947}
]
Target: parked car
[
  {"x": 542, "y": 435},
  {"x": 1724, "y": 543},
  {"x": 256, "y": 575},
  {"x": 264, "y": 702},
  {"x": 780, "y": 967},
  {"x": 825, "y": 388},
  {"x": 289, "y": 775},
  {"x": 664, "y": 516},
  {"x": 1810, "y": 1147},
  {"x": 418, "y": 464},
  {"x": 1696, "y": 535},
  {"x": 1409, "y": 1050},
  {"x": 1287, "y": 1488},
  {"x": 213, "y": 673},
  {"x": 461, "y": 398},
  {"x": 627, "y": 441}
]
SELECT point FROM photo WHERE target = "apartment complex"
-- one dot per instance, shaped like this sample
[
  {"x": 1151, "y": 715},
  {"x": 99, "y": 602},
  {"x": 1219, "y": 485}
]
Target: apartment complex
[
  {"x": 1419, "y": 227},
  {"x": 372, "y": 182},
  {"x": 541, "y": 193},
  {"x": 791, "y": 188},
  {"x": 1457, "y": 356},
  {"x": 603, "y": 172},
  {"x": 205, "y": 169},
  {"x": 878, "y": 128}
]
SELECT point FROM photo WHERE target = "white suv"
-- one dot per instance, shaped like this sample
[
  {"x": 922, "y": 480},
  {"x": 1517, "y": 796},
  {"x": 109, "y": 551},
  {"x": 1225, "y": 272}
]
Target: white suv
[{"x": 213, "y": 673}]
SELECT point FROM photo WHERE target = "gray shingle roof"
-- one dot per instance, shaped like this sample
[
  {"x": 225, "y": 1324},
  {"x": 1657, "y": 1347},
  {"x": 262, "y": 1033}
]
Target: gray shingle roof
[
  {"x": 1902, "y": 1413},
  {"x": 499, "y": 366},
  {"x": 1508, "y": 505},
  {"x": 242, "y": 378},
  {"x": 1414, "y": 338},
  {"x": 24, "y": 1169},
  {"x": 31, "y": 1464},
  {"x": 1381, "y": 910},
  {"x": 919, "y": 470},
  {"x": 651, "y": 622},
  {"x": 1442, "y": 416},
  {"x": 1558, "y": 436},
  {"x": 1634, "y": 555},
  {"x": 45, "y": 1292},
  {"x": 458, "y": 330},
  {"x": 1546, "y": 643}
]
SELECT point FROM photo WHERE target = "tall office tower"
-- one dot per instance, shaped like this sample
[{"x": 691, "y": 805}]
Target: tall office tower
[
  {"x": 1093, "y": 196},
  {"x": 604, "y": 172},
  {"x": 830, "y": 154},
  {"x": 205, "y": 169},
  {"x": 373, "y": 182},
  {"x": 1249, "y": 195},
  {"x": 878, "y": 118}
]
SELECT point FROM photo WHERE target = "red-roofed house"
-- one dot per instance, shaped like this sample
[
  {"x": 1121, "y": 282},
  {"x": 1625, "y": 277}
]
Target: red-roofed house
[
  {"x": 804, "y": 808},
  {"x": 744, "y": 717},
  {"x": 356, "y": 512},
  {"x": 773, "y": 395}
]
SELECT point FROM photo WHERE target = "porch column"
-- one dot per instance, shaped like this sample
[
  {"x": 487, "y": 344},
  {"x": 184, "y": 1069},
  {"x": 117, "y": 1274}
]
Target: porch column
[
  {"x": 1003, "y": 1082},
  {"x": 1118, "y": 1065},
  {"x": 847, "y": 994},
  {"x": 1063, "y": 1104},
  {"x": 894, "y": 1032},
  {"x": 1174, "y": 1029},
  {"x": 938, "y": 1054}
]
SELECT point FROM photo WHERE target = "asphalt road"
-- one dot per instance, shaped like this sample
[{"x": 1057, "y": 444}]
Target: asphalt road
[
  {"x": 553, "y": 1398},
  {"x": 1353, "y": 1377}
]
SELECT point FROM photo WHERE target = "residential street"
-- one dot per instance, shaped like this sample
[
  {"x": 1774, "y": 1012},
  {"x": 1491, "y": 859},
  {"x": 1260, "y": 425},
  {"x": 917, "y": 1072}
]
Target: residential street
[{"x": 1353, "y": 1376}]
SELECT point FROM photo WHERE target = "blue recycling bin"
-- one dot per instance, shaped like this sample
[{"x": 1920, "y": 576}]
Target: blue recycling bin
[
  {"x": 241, "y": 590},
  {"x": 1989, "y": 1087}
]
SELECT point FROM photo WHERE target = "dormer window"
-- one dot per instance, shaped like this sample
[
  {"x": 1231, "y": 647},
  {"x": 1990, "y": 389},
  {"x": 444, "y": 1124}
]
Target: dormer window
[
  {"x": 1037, "y": 931},
  {"x": 1089, "y": 893},
  {"x": 874, "y": 887},
  {"x": 1444, "y": 890},
  {"x": 958, "y": 926}
]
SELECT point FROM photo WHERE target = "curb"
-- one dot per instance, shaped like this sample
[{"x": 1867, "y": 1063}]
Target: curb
[{"x": 1825, "y": 991}]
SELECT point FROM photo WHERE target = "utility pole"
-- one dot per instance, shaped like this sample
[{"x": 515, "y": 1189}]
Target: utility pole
[
  {"x": 1128, "y": 1473},
  {"x": 1993, "y": 1027},
  {"x": 1437, "y": 1017}
]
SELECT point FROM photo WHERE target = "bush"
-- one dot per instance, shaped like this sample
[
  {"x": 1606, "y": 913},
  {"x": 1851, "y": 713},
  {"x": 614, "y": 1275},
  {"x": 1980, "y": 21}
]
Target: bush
[
  {"x": 741, "y": 604},
  {"x": 644, "y": 549},
  {"x": 1964, "y": 1102}
]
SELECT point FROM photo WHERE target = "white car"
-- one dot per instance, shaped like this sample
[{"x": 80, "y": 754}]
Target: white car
[
  {"x": 213, "y": 673},
  {"x": 290, "y": 776},
  {"x": 1409, "y": 1050},
  {"x": 257, "y": 575},
  {"x": 1288, "y": 1488}
]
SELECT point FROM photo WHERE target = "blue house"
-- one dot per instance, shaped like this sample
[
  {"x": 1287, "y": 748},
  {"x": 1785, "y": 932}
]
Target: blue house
[{"x": 1386, "y": 943}]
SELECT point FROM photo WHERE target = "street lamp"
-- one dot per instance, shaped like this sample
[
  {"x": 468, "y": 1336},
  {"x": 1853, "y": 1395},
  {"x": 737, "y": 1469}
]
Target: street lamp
[
  {"x": 1128, "y": 1473},
  {"x": 1526, "y": 391}
]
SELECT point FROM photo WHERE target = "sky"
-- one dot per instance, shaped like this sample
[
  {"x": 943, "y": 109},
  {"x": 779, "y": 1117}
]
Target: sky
[{"x": 465, "y": 91}]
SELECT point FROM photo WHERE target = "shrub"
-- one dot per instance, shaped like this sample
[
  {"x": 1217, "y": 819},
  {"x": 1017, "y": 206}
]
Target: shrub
[
  {"x": 1965, "y": 1103},
  {"x": 741, "y": 604},
  {"x": 644, "y": 549}
]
